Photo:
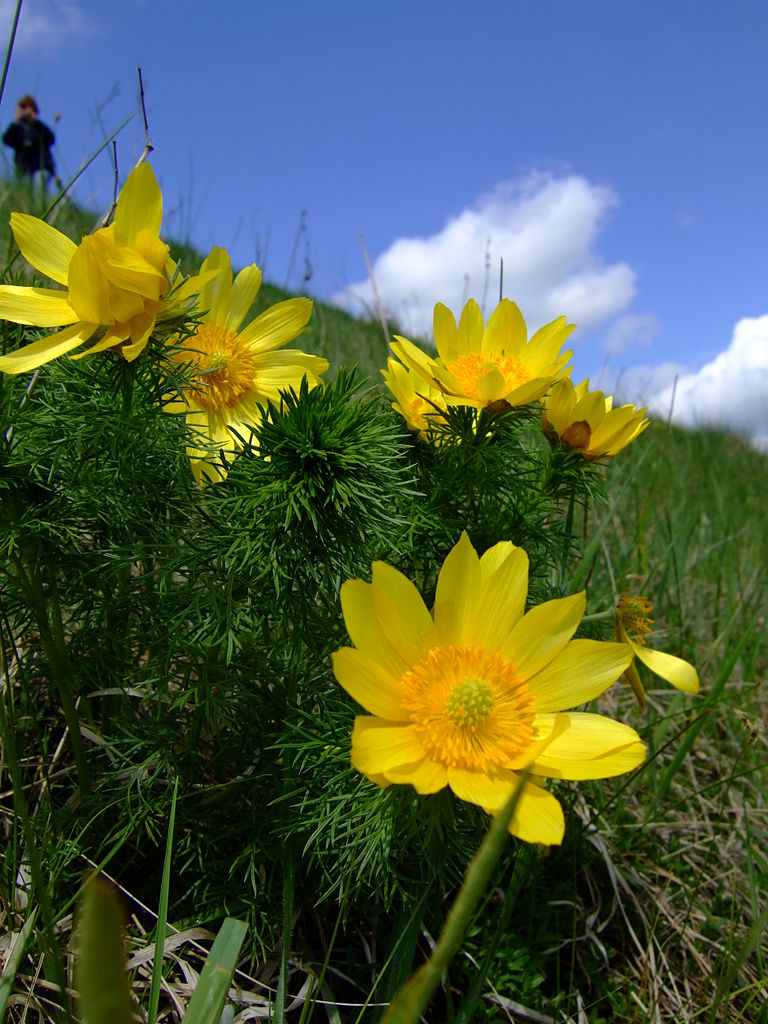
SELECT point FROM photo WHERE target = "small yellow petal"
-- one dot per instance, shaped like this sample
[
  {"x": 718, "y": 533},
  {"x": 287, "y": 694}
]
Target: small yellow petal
[
  {"x": 245, "y": 287},
  {"x": 139, "y": 206},
  {"x": 36, "y": 307},
  {"x": 676, "y": 671},
  {"x": 543, "y": 632},
  {"x": 46, "y": 248},
  {"x": 277, "y": 325},
  {"x": 368, "y": 682},
  {"x": 402, "y": 614},
  {"x": 46, "y": 349},
  {"x": 591, "y": 747},
  {"x": 378, "y": 745}
]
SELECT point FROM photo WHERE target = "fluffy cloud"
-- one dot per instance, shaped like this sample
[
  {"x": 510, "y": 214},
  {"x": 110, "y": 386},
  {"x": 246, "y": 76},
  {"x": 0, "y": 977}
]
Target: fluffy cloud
[
  {"x": 730, "y": 391},
  {"x": 47, "y": 23},
  {"x": 543, "y": 227}
]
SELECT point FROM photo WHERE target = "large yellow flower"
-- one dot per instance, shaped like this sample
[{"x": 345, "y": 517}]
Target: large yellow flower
[
  {"x": 586, "y": 420},
  {"x": 117, "y": 280},
  {"x": 489, "y": 366},
  {"x": 237, "y": 372},
  {"x": 418, "y": 402},
  {"x": 470, "y": 694},
  {"x": 633, "y": 624}
]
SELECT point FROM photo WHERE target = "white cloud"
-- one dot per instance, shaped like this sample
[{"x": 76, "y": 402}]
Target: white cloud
[
  {"x": 43, "y": 24},
  {"x": 543, "y": 227},
  {"x": 729, "y": 391},
  {"x": 629, "y": 333}
]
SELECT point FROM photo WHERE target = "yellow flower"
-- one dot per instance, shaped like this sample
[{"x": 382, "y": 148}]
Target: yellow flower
[
  {"x": 468, "y": 695},
  {"x": 586, "y": 420},
  {"x": 237, "y": 372},
  {"x": 417, "y": 401},
  {"x": 117, "y": 280},
  {"x": 633, "y": 624},
  {"x": 492, "y": 366}
]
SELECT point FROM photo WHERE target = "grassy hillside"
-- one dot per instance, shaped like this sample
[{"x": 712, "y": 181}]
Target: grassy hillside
[{"x": 653, "y": 910}]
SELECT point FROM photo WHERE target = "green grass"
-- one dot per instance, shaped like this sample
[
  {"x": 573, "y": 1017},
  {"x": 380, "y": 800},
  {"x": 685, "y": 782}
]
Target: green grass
[{"x": 653, "y": 909}]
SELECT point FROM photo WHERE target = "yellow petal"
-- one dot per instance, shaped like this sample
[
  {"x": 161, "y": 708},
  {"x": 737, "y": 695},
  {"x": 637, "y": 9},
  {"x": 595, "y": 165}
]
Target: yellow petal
[
  {"x": 126, "y": 268},
  {"x": 46, "y": 248},
  {"x": 580, "y": 672},
  {"x": 378, "y": 745},
  {"x": 676, "y": 671},
  {"x": 36, "y": 307},
  {"x": 402, "y": 614},
  {"x": 456, "y": 598},
  {"x": 213, "y": 299},
  {"x": 501, "y": 601},
  {"x": 368, "y": 682},
  {"x": 141, "y": 330},
  {"x": 538, "y": 817},
  {"x": 591, "y": 747},
  {"x": 277, "y": 325},
  {"x": 542, "y": 633},
  {"x": 364, "y": 628},
  {"x": 425, "y": 776},
  {"x": 46, "y": 349},
  {"x": 139, "y": 206},
  {"x": 445, "y": 333},
  {"x": 89, "y": 291},
  {"x": 245, "y": 287},
  {"x": 470, "y": 339},
  {"x": 505, "y": 331}
]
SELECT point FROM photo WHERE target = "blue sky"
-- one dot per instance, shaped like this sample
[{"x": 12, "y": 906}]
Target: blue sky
[{"x": 613, "y": 153}]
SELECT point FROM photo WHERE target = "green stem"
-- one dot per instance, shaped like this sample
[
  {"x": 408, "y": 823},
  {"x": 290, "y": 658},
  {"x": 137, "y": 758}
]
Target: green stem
[
  {"x": 413, "y": 999},
  {"x": 289, "y": 876}
]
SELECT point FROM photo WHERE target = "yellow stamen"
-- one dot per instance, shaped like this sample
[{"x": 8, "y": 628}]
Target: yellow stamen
[
  {"x": 225, "y": 371},
  {"x": 471, "y": 368},
  {"x": 470, "y": 709},
  {"x": 634, "y": 617}
]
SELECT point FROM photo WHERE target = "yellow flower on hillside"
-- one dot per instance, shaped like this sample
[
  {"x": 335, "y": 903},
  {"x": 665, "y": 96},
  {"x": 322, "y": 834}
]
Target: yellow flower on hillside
[
  {"x": 475, "y": 691},
  {"x": 633, "y": 624},
  {"x": 492, "y": 366},
  {"x": 586, "y": 420},
  {"x": 234, "y": 372},
  {"x": 117, "y": 280},
  {"x": 418, "y": 402}
]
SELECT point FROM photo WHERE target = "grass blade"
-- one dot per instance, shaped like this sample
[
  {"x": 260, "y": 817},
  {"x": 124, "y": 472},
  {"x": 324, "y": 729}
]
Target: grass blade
[
  {"x": 102, "y": 980},
  {"x": 162, "y": 917},
  {"x": 12, "y": 965},
  {"x": 207, "y": 1001}
]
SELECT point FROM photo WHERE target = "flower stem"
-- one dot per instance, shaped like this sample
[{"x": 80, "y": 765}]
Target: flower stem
[{"x": 413, "y": 999}]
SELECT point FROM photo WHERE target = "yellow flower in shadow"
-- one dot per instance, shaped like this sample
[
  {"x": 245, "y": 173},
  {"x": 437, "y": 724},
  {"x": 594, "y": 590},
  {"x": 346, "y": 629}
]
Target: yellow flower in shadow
[
  {"x": 418, "y": 402},
  {"x": 235, "y": 371},
  {"x": 476, "y": 690},
  {"x": 633, "y": 624},
  {"x": 492, "y": 366},
  {"x": 117, "y": 280},
  {"x": 587, "y": 421}
]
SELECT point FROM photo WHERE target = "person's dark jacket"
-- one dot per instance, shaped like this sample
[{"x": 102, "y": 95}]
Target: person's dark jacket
[{"x": 31, "y": 141}]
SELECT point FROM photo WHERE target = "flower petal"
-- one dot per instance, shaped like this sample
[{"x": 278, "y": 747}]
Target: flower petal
[
  {"x": 591, "y": 747},
  {"x": 676, "y": 671},
  {"x": 542, "y": 633},
  {"x": 378, "y": 745},
  {"x": 402, "y": 614},
  {"x": 213, "y": 299},
  {"x": 139, "y": 206},
  {"x": 457, "y": 591},
  {"x": 501, "y": 599},
  {"x": 580, "y": 672},
  {"x": 364, "y": 628},
  {"x": 505, "y": 331},
  {"x": 245, "y": 287},
  {"x": 445, "y": 333},
  {"x": 277, "y": 325},
  {"x": 538, "y": 817},
  {"x": 46, "y": 248},
  {"x": 369, "y": 683},
  {"x": 36, "y": 307},
  {"x": 425, "y": 776},
  {"x": 46, "y": 349}
]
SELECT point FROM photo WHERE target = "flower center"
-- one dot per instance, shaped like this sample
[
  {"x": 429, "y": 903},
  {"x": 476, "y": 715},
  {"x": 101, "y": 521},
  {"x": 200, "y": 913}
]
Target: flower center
[
  {"x": 469, "y": 708},
  {"x": 470, "y": 703},
  {"x": 224, "y": 373},
  {"x": 472, "y": 369},
  {"x": 635, "y": 617}
]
